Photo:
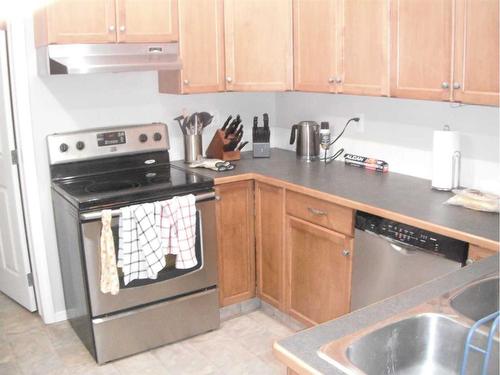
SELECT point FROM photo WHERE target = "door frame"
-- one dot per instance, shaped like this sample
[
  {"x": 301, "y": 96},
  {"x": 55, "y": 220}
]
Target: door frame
[{"x": 29, "y": 185}]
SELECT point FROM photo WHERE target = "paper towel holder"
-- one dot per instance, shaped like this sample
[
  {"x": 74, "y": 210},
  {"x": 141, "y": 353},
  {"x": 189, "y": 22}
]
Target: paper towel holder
[
  {"x": 454, "y": 181},
  {"x": 457, "y": 158}
]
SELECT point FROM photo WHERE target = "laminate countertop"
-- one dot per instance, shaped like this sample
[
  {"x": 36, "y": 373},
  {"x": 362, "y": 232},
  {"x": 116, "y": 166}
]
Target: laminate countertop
[
  {"x": 392, "y": 195},
  {"x": 300, "y": 351}
]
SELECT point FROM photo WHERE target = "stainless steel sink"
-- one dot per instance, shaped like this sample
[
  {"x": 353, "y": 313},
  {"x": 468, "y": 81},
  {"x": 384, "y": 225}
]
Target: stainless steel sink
[
  {"x": 424, "y": 344},
  {"x": 426, "y": 339},
  {"x": 478, "y": 300}
]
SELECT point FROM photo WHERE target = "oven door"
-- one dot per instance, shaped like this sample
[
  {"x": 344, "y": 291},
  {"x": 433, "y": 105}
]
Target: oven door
[{"x": 171, "y": 282}]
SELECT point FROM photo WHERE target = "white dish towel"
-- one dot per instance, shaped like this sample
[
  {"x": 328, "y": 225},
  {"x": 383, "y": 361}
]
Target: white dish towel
[
  {"x": 178, "y": 228},
  {"x": 140, "y": 253},
  {"x": 150, "y": 231}
]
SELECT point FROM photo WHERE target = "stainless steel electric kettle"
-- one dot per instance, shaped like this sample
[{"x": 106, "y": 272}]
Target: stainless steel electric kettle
[{"x": 307, "y": 133}]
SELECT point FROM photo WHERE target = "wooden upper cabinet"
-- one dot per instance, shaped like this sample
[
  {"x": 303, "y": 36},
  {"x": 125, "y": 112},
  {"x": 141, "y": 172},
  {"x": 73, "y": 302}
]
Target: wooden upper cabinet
[
  {"x": 421, "y": 40},
  {"x": 235, "y": 236},
  {"x": 269, "y": 229},
  {"x": 318, "y": 272},
  {"x": 364, "y": 42},
  {"x": 476, "y": 77},
  {"x": 147, "y": 20},
  {"x": 106, "y": 21},
  {"x": 258, "y": 45},
  {"x": 315, "y": 52},
  {"x": 201, "y": 44},
  {"x": 76, "y": 21}
]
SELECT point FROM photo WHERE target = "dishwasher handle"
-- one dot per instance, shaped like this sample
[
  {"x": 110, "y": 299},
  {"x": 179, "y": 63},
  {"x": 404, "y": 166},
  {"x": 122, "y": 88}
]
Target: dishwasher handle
[{"x": 400, "y": 247}]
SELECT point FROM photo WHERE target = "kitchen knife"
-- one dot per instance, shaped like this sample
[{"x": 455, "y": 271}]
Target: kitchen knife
[
  {"x": 232, "y": 127},
  {"x": 240, "y": 130},
  {"x": 226, "y": 123},
  {"x": 266, "y": 120},
  {"x": 229, "y": 129},
  {"x": 255, "y": 122},
  {"x": 231, "y": 145},
  {"x": 240, "y": 147}
]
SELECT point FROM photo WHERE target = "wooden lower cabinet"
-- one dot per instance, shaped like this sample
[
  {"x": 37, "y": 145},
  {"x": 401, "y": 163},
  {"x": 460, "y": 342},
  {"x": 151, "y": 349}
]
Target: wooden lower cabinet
[
  {"x": 318, "y": 272},
  {"x": 269, "y": 228},
  {"x": 235, "y": 236}
]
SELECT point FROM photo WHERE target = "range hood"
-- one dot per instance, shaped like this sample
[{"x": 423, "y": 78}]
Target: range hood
[{"x": 104, "y": 58}]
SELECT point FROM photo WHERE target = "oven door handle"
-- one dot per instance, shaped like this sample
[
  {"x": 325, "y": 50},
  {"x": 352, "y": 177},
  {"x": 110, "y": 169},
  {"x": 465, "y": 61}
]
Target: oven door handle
[{"x": 94, "y": 215}]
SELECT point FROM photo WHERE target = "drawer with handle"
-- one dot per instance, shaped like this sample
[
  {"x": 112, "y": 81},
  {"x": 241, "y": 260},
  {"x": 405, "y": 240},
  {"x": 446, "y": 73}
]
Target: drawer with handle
[{"x": 317, "y": 211}]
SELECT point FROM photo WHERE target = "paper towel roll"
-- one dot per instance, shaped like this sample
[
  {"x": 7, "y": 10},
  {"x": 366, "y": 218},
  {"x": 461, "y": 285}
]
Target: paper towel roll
[{"x": 445, "y": 146}]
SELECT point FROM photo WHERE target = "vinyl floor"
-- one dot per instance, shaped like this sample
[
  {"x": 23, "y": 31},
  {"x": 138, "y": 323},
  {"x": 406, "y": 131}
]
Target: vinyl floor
[{"x": 241, "y": 346}]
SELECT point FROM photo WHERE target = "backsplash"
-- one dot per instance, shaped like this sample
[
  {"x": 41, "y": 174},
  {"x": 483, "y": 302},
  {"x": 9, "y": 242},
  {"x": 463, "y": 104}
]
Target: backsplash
[{"x": 399, "y": 131}]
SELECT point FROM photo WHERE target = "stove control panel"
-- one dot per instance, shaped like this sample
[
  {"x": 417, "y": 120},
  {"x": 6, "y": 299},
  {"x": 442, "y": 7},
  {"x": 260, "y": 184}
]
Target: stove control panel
[{"x": 103, "y": 142}]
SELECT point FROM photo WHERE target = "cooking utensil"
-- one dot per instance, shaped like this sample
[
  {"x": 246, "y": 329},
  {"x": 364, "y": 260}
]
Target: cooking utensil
[
  {"x": 226, "y": 123},
  {"x": 266, "y": 120},
  {"x": 205, "y": 118},
  {"x": 231, "y": 146},
  {"x": 181, "y": 125},
  {"x": 240, "y": 147},
  {"x": 239, "y": 131}
]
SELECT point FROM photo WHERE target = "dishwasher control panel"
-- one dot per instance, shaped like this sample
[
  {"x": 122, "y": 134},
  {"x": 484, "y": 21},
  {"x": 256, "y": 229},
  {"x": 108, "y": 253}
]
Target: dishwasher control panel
[{"x": 416, "y": 237}]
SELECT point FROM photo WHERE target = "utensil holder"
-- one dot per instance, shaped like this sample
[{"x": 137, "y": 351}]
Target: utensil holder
[
  {"x": 193, "y": 149},
  {"x": 215, "y": 149}
]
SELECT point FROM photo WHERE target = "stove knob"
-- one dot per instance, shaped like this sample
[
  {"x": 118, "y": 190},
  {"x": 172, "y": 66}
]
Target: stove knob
[
  {"x": 80, "y": 145},
  {"x": 63, "y": 147},
  {"x": 157, "y": 137},
  {"x": 143, "y": 138}
]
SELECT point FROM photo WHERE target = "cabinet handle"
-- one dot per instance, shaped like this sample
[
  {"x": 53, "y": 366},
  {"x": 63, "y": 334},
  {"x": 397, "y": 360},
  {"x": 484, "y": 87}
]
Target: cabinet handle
[
  {"x": 346, "y": 252},
  {"x": 456, "y": 85},
  {"x": 229, "y": 79},
  {"x": 331, "y": 80},
  {"x": 445, "y": 85},
  {"x": 186, "y": 82},
  {"x": 218, "y": 198},
  {"x": 317, "y": 212},
  {"x": 111, "y": 28},
  {"x": 122, "y": 28},
  {"x": 338, "y": 80}
]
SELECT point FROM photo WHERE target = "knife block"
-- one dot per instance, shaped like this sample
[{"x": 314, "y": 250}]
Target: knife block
[{"x": 215, "y": 149}]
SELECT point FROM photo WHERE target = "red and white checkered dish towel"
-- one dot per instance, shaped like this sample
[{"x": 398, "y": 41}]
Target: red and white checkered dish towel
[{"x": 178, "y": 230}]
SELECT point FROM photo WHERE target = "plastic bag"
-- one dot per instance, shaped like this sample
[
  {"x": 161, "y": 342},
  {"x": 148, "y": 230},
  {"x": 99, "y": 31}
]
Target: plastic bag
[{"x": 475, "y": 200}]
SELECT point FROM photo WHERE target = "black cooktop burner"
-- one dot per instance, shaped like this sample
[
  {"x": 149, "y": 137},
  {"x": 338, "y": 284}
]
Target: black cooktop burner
[{"x": 100, "y": 187}]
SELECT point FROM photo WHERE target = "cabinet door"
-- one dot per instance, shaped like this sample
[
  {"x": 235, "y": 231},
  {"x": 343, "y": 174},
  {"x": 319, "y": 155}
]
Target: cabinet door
[
  {"x": 270, "y": 215},
  {"x": 147, "y": 20},
  {"x": 201, "y": 43},
  {"x": 76, "y": 21},
  {"x": 314, "y": 45},
  {"x": 235, "y": 235},
  {"x": 476, "y": 77},
  {"x": 318, "y": 272},
  {"x": 364, "y": 41},
  {"x": 258, "y": 45},
  {"x": 421, "y": 49}
]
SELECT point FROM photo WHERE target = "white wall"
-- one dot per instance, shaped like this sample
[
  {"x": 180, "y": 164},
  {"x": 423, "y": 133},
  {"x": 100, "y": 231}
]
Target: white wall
[
  {"x": 67, "y": 103},
  {"x": 399, "y": 131}
]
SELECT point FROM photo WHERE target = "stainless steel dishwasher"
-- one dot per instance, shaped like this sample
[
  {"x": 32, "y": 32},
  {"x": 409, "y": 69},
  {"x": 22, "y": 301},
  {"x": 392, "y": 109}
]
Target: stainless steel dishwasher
[{"x": 390, "y": 257}]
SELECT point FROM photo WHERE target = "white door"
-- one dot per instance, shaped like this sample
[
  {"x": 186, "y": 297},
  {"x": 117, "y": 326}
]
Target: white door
[{"x": 14, "y": 259}]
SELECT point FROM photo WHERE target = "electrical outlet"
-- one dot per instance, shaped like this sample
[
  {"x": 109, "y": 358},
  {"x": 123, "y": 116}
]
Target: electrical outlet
[{"x": 360, "y": 125}]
